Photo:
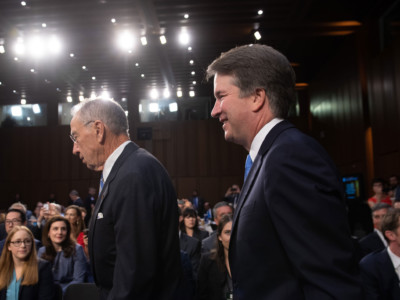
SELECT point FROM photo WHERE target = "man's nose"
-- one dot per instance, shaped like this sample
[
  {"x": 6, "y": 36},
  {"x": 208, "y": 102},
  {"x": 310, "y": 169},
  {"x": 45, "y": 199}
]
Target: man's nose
[
  {"x": 75, "y": 149},
  {"x": 216, "y": 110}
]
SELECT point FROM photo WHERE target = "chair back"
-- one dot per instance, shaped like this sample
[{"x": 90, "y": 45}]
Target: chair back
[{"x": 82, "y": 291}]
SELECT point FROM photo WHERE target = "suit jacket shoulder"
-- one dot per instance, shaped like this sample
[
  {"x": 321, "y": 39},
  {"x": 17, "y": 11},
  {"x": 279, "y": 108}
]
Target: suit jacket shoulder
[{"x": 370, "y": 243}]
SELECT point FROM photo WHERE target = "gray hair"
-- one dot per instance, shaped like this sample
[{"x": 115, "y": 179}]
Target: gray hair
[
  {"x": 107, "y": 111},
  {"x": 259, "y": 67},
  {"x": 218, "y": 205}
]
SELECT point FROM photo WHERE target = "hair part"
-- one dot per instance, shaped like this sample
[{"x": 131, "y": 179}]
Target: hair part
[
  {"x": 30, "y": 273},
  {"x": 107, "y": 111},
  {"x": 259, "y": 67}
]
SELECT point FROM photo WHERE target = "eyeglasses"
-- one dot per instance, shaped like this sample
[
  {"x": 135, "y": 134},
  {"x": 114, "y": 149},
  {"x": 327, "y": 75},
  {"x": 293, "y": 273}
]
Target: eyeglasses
[
  {"x": 13, "y": 221},
  {"x": 73, "y": 138},
  {"x": 18, "y": 243}
]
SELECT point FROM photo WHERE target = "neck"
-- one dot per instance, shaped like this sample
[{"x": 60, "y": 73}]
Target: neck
[
  {"x": 189, "y": 231},
  {"x": 395, "y": 248},
  {"x": 113, "y": 142},
  {"x": 57, "y": 247}
]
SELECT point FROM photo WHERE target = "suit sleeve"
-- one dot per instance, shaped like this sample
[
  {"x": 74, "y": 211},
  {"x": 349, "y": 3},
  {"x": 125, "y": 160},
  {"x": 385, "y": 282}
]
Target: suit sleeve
[
  {"x": 46, "y": 282},
  {"x": 141, "y": 222},
  {"x": 305, "y": 199},
  {"x": 370, "y": 280},
  {"x": 80, "y": 266}
]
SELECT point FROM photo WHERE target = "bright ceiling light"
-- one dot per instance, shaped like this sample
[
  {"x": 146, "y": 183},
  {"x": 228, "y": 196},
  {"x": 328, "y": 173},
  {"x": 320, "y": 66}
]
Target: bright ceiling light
[
  {"x": 69, "y": 99},
  {"x": 153, "y": 107},
  {"x": 186, "y": 16},
  {"x": 113, "y": 20},
  {"x": 166, "y": 93},
  {"x": 105, "y": 95},
  {"x": 193, "y": 73},
  {"x": 257, "y": 35},
  {"x": 32, "y": 70},
  {"x": 19, "y": 47},
  {"x": 140, "y": 108},
  {"x": 44, "y": 25},
  {"x": 81, "y": 98},
  {"x": 125, "y": 40},
  {"x": 191, "y": 94},
  {"x": 16, "y": 111},
  {"x": 36, "y": 108},
  {"x": 23, "y": 101},
  {"x": 23, "y": 3},
  {"x": 93, "y": 95},
  {"x": 143, "y": 40},
  {"x": 153, "y": 94},
  {"x": 36, "y": 46},
  {"x": 54, "y": 45},
  {"x": 2, "y": 49},
  {"x": 189, "y": 48},
  {"x": 173, "y": 107},
  {"x": 163, "y": 39},
  {"x": 260, "y": 12},
  {"x": 184, "y": 37},
  {"x": 179, "y": 93},
  {"x": 191, "y": 62},
  {"x": 93, "y": 77}
]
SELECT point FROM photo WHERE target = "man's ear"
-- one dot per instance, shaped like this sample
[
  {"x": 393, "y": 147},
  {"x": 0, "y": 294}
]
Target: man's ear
[
  {"x": 390, "y": 235},
  {"x": 259, "y": 99},
  {"x": 100, "y": 131}
]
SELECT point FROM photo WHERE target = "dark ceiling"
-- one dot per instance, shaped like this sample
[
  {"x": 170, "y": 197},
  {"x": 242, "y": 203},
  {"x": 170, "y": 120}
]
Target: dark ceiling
[{"x": 306, "y": 31}]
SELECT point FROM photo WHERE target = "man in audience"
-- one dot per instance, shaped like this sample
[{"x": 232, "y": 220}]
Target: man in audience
[
  {"x": 375, "y": 241},
  {"x": 75, "y": 199},
  {"x": 282, "y": 246},
  {"x": 220, "y": 209},
  {"x": 394, "y": 184},
  {"x": 380, "y": 271},
  {"x": 15, "y": 217},
  {"x": 198, "y": 203},
  {"x": 133, "y": 234}
]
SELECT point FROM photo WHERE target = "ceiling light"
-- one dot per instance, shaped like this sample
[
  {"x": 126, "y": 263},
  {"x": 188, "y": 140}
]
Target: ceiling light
[
  {"x": 105, "y": 95},
  {"x": 93, "y": 95},
  {"x": 28, "y": 118},
  {"x": 193, "y": 73},
  {"x": 143, "y": 40},
  {"x": 179, "y": 93},
  {"x": 36, "y": 108},
  {"x": 44, "y": 25},
  {"x": 137, "y": 64},
  {"x": 71, "y": 55},
  {"x": 123, "y": 99},
  {"x": 93, "y": 77},
  {"x": 32, "y": 70},
  {"x": 14, "y": 91},
  {"x": 194, "y": 82},
  {"x": 83, "y": 67},
  {"x": 163, "y": 39},
  {"x": 173, "y": 107},
  {"x": 189, "y": 48},
  {"x": 2, "y": 49},
  {"x": 125, "y": 40},
  {"x": 19, "y": 47},
  {"x": 257, "y": 35},
  {"x": 16, "y": 58},
  {"x": 23, "y": 101},
  {"x": 142, "y": 75},
  {"x": 191, "y": 94},
  {"x": 191, "y": 62},
  {"x": 113, "y": 20},
  {"x": 81, "y": 98},
  {"x": 260, "y": 12},
  {"x": 186, "y": 16},
  {"x": 54, "y": 45},
  {"x": 36, "y": 46},
  {"x": 153, "y": 94},
  {"x": 153, "y": 107},
  {"x": 166, "y": 93},
  {"x": 23, "y": 3},
  {"x": 69, "y": 99},
  {"x": 184, "y": 37},
  {"x": 140, "y": 108}
]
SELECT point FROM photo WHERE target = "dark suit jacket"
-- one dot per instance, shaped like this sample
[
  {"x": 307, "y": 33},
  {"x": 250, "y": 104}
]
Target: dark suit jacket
[
  {"x": 133, "y": 235},
  {"x": 290, "y": 237},
  {"x": 200, "y": 234},
  {"x": 192, "y": 247},
  {"x": 379, "y": 277},
  {"x": 209, "y": 243},
  {"x": 371, "y": 243},
  {"x": 43, "y": 290}
]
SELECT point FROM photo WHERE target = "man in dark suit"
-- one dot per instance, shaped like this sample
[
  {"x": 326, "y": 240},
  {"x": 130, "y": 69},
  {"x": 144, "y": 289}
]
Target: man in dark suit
[
  {"x": 375, "y": 240},
  {"x": 133, "y": 234},
  {"x": 380, "y": 271},
  {"x": 198, "y": 203},
  {"x": 290, "y": 238}
]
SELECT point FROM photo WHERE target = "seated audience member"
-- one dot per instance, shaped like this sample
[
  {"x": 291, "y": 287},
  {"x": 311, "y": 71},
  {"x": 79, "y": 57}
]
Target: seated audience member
[
  {"x": 232, "y": 195},
  {"x": 220, "y": 209},
  {"x": 74, "y": 216},
  {"x": 197, "y": 203},
  {"x": 48, "y": 211},
  {"x": 379, "y": 195},
  {"x": 207, "y": 212},
  {"x": 190, "y": 225},
  {"x": 68, "y": 261},
  {"x": 380, "y": 271},
  {"x": 375, "y": 241},
  {"x": 191, "y": 246},
  {"x": 22, "y": 275},
  {"x": 396, "y": 204},
  {"x": 75, "y": 198},
  {"x": 15, "y": 217},
  {"x": 394, "y": 185},
  {"x": 214, "y": 275}
]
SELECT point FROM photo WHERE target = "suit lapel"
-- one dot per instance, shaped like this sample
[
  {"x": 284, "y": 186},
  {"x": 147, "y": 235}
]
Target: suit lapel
[{"x": 266, "y": 145}]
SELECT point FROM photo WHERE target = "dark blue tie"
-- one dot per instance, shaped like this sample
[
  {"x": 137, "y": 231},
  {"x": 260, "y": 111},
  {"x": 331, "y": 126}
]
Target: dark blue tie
[
  {"x": 247, "y": 166},
  {"x": 101, "y": 183}
]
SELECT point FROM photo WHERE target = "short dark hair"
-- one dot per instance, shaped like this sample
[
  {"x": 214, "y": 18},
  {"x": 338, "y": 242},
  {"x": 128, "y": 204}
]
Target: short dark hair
[
  {"x": 379, "y": 206},
  {"x": 21, "y": 213},
  {"x": 259, "y": 67},
  {"x": 391, "y": 221}
]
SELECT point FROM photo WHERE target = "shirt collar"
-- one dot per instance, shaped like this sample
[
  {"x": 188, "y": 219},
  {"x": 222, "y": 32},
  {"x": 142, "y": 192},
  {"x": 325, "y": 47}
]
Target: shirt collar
[
  {"x": 380, "y": 234},
  {"x": 112, "y": 159},
  {"x": 260, "y": 137},
  {"x": 394, "y": 258}
]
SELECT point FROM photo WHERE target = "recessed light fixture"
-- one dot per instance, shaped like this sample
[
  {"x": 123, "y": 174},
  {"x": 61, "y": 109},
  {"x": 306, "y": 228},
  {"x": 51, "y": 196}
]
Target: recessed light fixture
[
  {"x": 186, "y": 16},
  {"x": 260, "y": 12},
  {"x": 44, "y": 25}
]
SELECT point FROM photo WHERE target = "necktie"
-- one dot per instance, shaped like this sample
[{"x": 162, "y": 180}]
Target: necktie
[
  {"x": 101, "y": 183},
  {"x": 247, "y": 166}
]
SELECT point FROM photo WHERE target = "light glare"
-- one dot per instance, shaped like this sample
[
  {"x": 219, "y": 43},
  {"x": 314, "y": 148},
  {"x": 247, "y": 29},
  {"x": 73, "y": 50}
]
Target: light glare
[
  {"x": 184, "y": 37},
  {"x": 153, "y": 94},
  {"x": 36, "y": 108},
  {"x": 16, "y": 111},
  {"x": 163, "y": 39},
  {"x": 257, "y": 35},
  {"x": 153, "y": 107},
  {"x": 191, "y": 94},
  {"x": 143, "y": 40},
  {"x": 173, "y": 107}
]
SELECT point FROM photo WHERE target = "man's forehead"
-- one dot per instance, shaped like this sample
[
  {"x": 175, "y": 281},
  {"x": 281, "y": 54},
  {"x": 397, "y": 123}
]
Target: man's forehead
[{"x": 13, "y": 215}]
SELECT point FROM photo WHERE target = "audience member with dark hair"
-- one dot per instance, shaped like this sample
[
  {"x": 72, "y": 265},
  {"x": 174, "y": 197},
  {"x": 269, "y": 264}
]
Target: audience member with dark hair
[
  {"x": 190, "y": 225},
  {"x": 380, "y": 271},
  {"x": 214, "y": 275},
  {"x": 375, "y": 241},
  {"x": 379, "y": 196},
  {"x": 22, "y": 275},
  {"x": 68, "y": 261},
  {"x": 74, "y": 215}
]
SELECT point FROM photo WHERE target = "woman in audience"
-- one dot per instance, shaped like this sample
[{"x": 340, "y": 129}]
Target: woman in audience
[
  {"x": 67, "y": 258},
  {"x": 214, "y": 275},
  {"x": 74, "y": 216},
  {"x": 190, "y": 225},
  {"x": 379, "y": 195},
  {"x": 22, "y": 275}
]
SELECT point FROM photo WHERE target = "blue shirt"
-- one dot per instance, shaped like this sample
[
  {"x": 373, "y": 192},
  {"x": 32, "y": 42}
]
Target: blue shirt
[{"x": 13, "y": 288}]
